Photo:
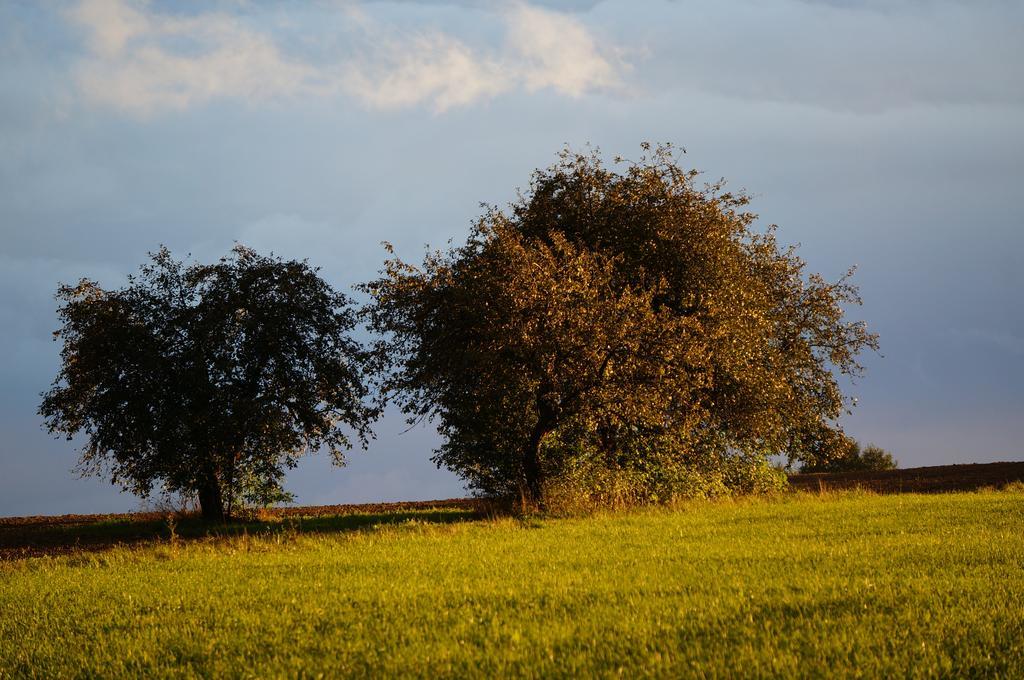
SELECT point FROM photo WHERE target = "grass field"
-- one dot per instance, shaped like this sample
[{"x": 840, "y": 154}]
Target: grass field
[{"x": 847, "y": 584}]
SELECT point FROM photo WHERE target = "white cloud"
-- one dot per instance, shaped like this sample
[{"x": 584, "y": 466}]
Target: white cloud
[
  {"x": 557, "y": 51},
  {"x": 112, "y": 24},
  {"x": 142, "y": 62},
  {"x": 433, "y": 67},
  {"x": 542, "y": 50}
]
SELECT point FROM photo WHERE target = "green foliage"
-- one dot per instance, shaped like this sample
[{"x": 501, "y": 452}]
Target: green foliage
[
  {"x": 799, "y": 586},
  {"x": 620, "y": 318},
  {"x": 207, "y": 380},
  {"x": 876, "y": 458},
  {"x": 847, "y": 456},
  {"x": 586, "y": 481},
  {"x": 586, "y": 486}
]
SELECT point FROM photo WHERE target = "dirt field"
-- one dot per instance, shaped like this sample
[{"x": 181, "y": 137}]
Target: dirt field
[
  {"x": 300, "y": 511},
  {"x": 935, "y": 479}
]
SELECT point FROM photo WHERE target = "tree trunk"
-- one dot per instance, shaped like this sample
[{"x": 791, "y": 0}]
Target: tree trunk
[
  {"x": 533, "y": 486},
  {"x": 533, "y": 475},
  {"x": 211, "y": 502}
]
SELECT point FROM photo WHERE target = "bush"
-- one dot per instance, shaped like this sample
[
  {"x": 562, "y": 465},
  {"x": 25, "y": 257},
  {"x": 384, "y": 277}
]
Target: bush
[{"x": 585, "y": 481}]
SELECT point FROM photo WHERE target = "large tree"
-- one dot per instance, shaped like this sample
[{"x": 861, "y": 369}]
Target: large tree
[
  {"x": 208, "y": 379},
  {"x": 624, "y": 311}
]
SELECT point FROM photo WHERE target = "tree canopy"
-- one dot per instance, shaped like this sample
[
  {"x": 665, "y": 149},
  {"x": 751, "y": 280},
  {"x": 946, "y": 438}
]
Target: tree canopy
[
  {"x": 624, "y": 315},
  {"x": 208, "y": 379}
]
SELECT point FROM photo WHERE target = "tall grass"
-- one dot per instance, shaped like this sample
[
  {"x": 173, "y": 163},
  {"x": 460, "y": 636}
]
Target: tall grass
[{"x": 847, "y": 584}]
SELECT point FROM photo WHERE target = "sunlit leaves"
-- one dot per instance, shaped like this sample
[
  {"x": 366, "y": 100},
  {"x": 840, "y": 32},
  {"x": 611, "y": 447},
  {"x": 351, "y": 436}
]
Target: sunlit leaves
[{"x": 615, "y": 311}]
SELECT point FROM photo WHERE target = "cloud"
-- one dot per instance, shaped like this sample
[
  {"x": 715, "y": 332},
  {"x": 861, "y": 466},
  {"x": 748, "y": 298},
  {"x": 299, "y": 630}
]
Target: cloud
[
  {"x": 112, "y": 24},
  {"x": 142, "y": 62},
  {"x": 542, "y": 50},
  {"x": 427, "y": 68},
  {"x": 557, "y": 51}
]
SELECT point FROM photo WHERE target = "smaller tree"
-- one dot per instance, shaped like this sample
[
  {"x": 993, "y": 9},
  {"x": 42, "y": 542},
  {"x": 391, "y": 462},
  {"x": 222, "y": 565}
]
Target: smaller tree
[
  {"x": 876, "y": 458},
  {"x": 844, "y": 454},
  {"x": 208, "y": 380}
]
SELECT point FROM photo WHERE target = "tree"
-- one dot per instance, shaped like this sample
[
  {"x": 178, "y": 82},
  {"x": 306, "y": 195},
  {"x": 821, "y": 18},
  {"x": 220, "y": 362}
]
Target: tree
[
  {"x": 613, "y": 314},
  {"x": 876, "y": 458},
  {"x": 847, "y": 456},
  {"x": 518, "y": 340},
  {"x": 207, "y": 379}
]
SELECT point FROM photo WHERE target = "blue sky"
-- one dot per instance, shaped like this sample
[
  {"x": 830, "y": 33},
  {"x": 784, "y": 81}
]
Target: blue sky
[{"x": 886, "y": 135}]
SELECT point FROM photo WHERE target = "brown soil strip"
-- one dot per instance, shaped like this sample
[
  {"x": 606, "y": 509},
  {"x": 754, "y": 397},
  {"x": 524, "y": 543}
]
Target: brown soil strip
[
  {"x": 301, "y": 511},
  {"x": 934, "y": 479}
]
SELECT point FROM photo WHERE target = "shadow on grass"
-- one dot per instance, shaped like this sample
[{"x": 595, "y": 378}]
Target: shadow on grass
[
  {"x": 196, "y": 528},
  {"x": 36, "y": 540}
]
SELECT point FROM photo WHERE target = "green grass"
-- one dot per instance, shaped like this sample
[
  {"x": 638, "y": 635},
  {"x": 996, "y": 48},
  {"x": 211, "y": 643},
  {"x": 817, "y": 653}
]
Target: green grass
[{"x": 852, "y": 585}]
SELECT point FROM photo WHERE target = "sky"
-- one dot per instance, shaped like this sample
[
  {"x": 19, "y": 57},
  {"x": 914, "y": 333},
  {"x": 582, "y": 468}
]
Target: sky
[{"x": 884, "y": 135}]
